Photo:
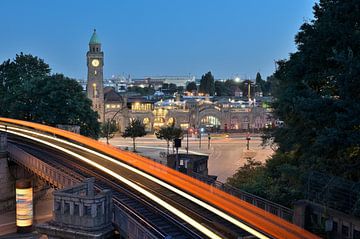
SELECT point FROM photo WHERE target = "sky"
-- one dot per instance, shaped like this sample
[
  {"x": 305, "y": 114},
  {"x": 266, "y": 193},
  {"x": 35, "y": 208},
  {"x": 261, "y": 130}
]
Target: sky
[{"x": 144, "y": 38}]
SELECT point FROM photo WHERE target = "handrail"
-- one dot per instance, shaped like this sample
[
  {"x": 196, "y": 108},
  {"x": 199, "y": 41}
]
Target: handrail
[{"x": 283, "y": 212}]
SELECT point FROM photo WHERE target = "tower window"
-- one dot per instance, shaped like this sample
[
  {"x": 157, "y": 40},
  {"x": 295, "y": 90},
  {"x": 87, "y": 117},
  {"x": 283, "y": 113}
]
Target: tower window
[
  {"x": 95, "y": 90},
  {"x": 93, "y": 48},
  {"x": 97, "y": 49},
  {"x": 95, "y": 72}
]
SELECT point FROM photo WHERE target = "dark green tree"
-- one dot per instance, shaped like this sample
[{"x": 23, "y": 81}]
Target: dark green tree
[
  {"x": 172, "y": 88},
  {"x": 318, "y": 92},
  {"x": 220, "y": 88},
  {"x": 191, "y": 87},
  {"x": 207, "y": 84},
  {"x": 169, "y": 133},
  {"x": 109, "y": 129},
  {"x": 29, "y": 92},
  {"x": 262, "y": 85},
  {"x": 317, "y": 95},
  {"x": 134, "y": 130}
]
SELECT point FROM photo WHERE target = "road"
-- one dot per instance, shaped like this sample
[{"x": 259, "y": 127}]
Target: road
[{"x": 226, "y": 155}]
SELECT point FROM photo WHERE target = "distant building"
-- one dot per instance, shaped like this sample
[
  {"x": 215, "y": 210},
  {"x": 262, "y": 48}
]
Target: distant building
[
  {"x": 177, "y": 80},
  {"x": 195, "y": 112}
]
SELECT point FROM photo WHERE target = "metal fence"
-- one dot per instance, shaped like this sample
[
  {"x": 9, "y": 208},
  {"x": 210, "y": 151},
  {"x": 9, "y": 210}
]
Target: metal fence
[
  {"x": 333, "y": 192},
  {"x": 274, "y": 208}
]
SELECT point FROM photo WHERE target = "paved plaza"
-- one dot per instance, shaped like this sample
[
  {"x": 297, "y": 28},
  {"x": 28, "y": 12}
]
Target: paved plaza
[{"x": 226, "y": 153}]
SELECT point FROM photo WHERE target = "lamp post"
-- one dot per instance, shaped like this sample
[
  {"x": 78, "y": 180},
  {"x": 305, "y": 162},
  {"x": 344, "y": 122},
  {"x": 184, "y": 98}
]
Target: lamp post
[
  {"x": 248, "y": 141},
  {"x": 200, "y": 131},
  {"x": 209, "y": 138}
]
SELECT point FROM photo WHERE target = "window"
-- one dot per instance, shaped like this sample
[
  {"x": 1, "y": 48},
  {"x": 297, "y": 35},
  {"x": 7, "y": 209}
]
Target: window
[
  {"x": 98, "y": 210},
  {"x": 335, "y": 226},
  {"x": 345, "y": 230},
  {"x": 76, "y": 210},
  {"x": 57, "y": 206},
  {"x": 356, "y": 234},
  {"x": 66, "y": 208},
  {"x": 87, "y": 210}
]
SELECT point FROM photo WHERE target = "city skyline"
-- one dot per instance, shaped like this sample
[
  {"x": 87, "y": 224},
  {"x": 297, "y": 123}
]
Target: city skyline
[{"x": 152, "y": 39}]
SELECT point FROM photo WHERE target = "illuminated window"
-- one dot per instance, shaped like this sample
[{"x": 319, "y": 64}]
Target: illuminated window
[
  {"x": 146, "y": 121},
  {"x": 171, "y": 121},
  {"x": 107, "y": 106},
  {"x": 94, "y": 90},
  {"x": 184, "y": 125},
  {"x": 210, "y": 121}
]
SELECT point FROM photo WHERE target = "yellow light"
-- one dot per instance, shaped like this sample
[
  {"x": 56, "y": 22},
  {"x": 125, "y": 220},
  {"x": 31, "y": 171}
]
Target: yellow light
[
  {"x": 148, "y": 194},
  {"x": 24, "y": 207}
]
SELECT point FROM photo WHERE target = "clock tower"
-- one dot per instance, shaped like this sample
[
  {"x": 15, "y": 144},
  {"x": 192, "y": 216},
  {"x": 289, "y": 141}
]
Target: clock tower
[{"x": 95, "y": 84}]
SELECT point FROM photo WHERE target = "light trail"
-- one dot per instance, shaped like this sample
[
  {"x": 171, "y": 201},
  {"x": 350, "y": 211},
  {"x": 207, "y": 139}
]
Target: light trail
[
  {"x": 256, "y": 217},
  {"x": 148, "y": 194},
  {"x": 168, "y": 186}
]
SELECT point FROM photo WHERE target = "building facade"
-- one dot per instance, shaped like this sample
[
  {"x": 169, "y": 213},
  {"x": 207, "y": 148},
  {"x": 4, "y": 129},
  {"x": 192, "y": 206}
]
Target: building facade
[
  {"x": 212, "y": 116},
  {"x": 188, "y": 113}
]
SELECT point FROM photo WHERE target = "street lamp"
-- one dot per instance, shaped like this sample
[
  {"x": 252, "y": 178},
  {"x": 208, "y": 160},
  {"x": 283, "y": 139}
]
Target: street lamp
[{"x": 201, "y": 130}]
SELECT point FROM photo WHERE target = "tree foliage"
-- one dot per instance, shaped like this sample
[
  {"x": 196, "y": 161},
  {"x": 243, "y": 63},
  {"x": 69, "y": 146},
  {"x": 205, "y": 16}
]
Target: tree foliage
[
  {"x": 108, "y": 129},
  {"x": 262, "y": 85},
  {"x": 317, "y": 95},
  {"x": 191, "y": 87},
  {"x": 169, "y": 133},
  {"x": 207, "y": 84},
  {"x": 29, "y": 92},
  {"x": 134, "y": 130}
]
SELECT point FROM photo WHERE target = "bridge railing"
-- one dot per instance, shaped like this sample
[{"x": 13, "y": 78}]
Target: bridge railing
[
  {"x": 274, "y": 208},
  {"x": 47, "y": 172}
]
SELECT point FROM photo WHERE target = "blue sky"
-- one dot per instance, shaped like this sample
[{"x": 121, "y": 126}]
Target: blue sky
[{"x": 155, "y": 37}]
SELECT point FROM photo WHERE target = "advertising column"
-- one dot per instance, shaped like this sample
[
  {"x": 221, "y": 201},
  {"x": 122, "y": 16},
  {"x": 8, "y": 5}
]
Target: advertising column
[{"x": 24, "y": 205}]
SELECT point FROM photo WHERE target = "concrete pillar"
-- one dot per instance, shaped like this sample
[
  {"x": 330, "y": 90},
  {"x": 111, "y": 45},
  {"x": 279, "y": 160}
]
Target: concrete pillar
[
  {"x": 300, "y": 213},
  {"x": 7, "y": 182},
  {"x": 3, "y": 143}
]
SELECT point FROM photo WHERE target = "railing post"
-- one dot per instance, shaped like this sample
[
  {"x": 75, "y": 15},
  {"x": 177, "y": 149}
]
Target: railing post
[{"x": 3, "y": 143}]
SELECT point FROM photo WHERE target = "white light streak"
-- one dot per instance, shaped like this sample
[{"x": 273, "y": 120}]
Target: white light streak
[{"x": 156, "y": 180}]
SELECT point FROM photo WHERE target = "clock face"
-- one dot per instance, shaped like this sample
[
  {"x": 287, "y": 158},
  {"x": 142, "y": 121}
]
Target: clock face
[{"x": 95, "y": 62}]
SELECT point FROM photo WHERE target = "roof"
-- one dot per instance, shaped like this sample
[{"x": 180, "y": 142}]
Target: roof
[
  {"x": 111, "y": 96},
  {"x": 94, "y": 38}
]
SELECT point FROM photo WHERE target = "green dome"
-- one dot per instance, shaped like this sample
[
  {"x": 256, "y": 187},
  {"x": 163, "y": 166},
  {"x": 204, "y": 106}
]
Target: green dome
[{"x": 94, "y": 38}]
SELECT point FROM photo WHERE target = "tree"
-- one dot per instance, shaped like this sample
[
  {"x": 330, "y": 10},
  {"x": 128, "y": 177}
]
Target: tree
[
  {"x": 207, "y": 84},
  {"x": 262, "y": 85},
  {"x": 108, "y": 129},
  {"x": 220, "y": 88},
  {"x": 172, "y": 88},
  {"x": 317, "y": 95},
  {"x": 169, "y": 133},
  {"x": 191, "y": 86},
  {"x": 135, "y": 129},
  {"x": 29, "y": 92}
]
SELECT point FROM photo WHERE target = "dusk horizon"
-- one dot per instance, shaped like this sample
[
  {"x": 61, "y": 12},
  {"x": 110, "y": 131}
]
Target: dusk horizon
[{"x": 143, "y": 39}]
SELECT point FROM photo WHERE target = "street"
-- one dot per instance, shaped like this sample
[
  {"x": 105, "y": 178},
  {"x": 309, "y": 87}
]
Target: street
[{"x": 226, "y": 154}]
